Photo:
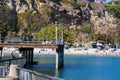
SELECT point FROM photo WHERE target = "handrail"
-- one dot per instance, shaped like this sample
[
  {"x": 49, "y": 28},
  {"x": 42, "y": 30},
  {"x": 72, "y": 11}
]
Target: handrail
[
  {"x": 3, "y": 70},
  {"x": 3, "y": 60},
  {"x": 7, "y": 62},
  {"x": 19, "y": 40},
  {"x": 37, "y": 75}
]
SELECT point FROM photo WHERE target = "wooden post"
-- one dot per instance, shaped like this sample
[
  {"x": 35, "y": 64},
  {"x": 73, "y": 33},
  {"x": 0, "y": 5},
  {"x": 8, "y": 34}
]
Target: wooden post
[{"x": 60, "y": 57}]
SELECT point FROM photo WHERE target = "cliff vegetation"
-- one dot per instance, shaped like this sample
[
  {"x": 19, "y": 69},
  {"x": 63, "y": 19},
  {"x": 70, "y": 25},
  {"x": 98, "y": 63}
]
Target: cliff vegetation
[{"x": 82, "y": 21}]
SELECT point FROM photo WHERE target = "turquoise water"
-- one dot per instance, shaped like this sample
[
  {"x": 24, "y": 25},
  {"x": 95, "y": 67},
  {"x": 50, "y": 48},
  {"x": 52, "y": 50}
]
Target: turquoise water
[{"x": 78, "y": 67}]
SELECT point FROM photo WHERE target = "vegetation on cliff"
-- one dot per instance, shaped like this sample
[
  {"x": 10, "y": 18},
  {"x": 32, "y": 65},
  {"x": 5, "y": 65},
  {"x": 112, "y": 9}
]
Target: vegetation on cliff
[
  {"x": 114, "y": 8},
  {"x": 75, "y": 18}
]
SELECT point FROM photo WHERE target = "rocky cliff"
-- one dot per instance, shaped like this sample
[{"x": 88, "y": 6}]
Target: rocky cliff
[
  {"x": 28, "y": 16},
  {"x": 20, "y": 6}
]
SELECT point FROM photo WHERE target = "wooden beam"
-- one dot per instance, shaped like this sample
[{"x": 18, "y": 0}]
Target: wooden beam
[{"x": 32, "y": 45}]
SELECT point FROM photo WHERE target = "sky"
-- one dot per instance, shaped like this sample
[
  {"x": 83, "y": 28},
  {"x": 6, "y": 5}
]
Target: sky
[
  {"x": 111, "y": 0},
  {"x": 108, "y": 0},
  {"x": 104, "y": 0}
]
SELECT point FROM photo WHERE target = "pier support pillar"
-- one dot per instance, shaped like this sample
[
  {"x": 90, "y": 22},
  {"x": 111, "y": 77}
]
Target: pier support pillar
[
  {"x": 60, "y": 57},
  {"x": 28, "y": 54},
  {"x": 1, "y": 52}
]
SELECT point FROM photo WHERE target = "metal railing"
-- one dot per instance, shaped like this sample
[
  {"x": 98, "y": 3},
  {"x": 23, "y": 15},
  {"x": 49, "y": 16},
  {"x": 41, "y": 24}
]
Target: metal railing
[
  {"x": 25, "y": 74},
  {"x": 5, "y": 64},
  {"x": 3, "y": 70},
  {"x": 36, "y": 40}
]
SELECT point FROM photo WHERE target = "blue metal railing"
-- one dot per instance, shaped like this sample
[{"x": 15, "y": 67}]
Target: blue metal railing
[
  {"x": 19, "y": 40},
  {"x": 37, "y": 40}
]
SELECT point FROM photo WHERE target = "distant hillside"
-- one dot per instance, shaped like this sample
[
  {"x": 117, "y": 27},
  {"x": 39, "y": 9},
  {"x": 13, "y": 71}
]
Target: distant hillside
[{"x": 26, "y": 19}]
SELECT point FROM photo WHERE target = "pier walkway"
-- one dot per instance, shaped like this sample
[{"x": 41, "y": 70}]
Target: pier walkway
[
  {"x": 26, "y": 50},
  {"x": 8, "y": 71}
]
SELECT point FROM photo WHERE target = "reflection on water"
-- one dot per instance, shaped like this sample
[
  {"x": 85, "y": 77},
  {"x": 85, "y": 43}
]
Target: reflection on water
[{"x": 81, "y": 67}]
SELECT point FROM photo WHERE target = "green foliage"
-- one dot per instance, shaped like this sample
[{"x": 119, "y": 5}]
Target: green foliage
[
  {"x": 31, "y": 22},
  {"x": 107, "y": 38},
  {"x": 49, "y": 32},
  {"x": 115, "y": 8},
  {"x": 45, "y": 10},
  {"x": 65, "y": 1},
  {"x": 3, "y": 30},
  {"x": 98, "y": 36},
  {"x": 7, "y": 22},
  {"x": 72, "y": 2},
  {"x": 87, "y": 27}
]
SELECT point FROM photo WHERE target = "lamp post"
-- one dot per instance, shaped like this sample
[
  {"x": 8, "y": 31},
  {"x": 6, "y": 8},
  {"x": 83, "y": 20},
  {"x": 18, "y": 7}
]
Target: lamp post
[
  {"x": 62, "y": 34},
  {"x": 56, "y": 23}
]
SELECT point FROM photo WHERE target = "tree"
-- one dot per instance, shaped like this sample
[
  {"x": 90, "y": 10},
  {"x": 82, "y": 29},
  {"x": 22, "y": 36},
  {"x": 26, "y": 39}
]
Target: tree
[
  {"x": 8, "y": 20},
  {"x": 3, "y": 30},
  {"x": 30, "y": 23},
  {"x": 114, "y": 9},
  {"x": 49, "y": 32}
]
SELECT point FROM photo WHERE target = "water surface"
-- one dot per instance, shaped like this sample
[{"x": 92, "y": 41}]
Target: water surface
[{"x": 78, "y": 67}]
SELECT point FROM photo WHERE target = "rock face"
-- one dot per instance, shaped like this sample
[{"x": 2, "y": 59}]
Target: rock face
[
  {"x": 20, "y": 6},
  {"x": 65, "y": 10}
]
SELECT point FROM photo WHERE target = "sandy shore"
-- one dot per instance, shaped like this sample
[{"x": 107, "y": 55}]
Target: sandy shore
[
  {"x": 70, "y": 51},
  {"x": 92, "y": 51},
  {"x": 85, "y": 52}
]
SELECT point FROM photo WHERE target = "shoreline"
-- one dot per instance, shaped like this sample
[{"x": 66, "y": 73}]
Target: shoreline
[
  {"x": 70, "y": 51},
  {"x": 80, "y": 54}
]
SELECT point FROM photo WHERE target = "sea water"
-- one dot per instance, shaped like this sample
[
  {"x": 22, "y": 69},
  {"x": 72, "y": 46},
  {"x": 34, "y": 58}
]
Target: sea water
[{"x": 77, "y": 67}]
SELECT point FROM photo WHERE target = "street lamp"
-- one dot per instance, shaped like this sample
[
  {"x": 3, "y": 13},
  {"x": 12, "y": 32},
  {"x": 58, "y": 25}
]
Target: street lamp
[
  {"x": 62, "y": 34},
  {"x": 56, "y": 23}
]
